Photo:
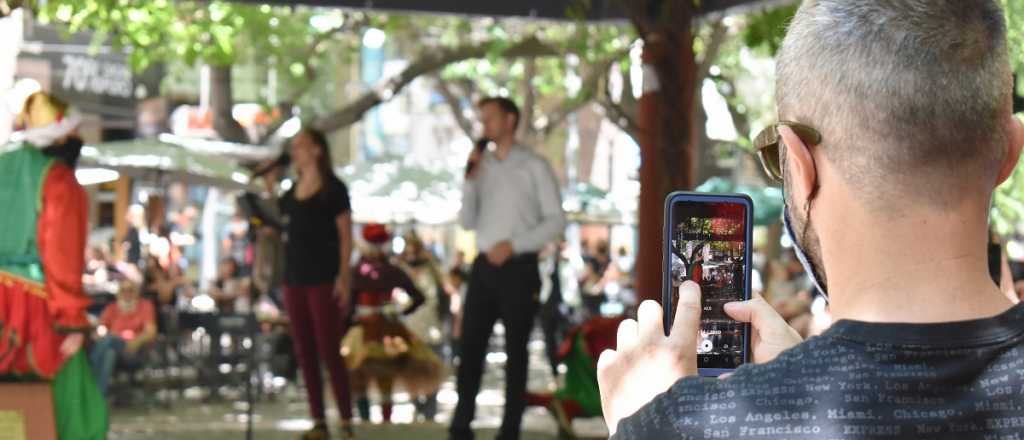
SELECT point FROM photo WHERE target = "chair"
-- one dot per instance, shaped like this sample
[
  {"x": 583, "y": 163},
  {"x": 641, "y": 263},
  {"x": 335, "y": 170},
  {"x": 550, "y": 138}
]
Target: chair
[
  {"x": 129, "y": 384},
  {"x": 211, "y": 355}
]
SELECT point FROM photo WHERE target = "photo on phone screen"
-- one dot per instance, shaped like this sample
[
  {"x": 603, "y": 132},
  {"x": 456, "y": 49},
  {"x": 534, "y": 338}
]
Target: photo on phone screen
[{"x": 708, "y": 246}]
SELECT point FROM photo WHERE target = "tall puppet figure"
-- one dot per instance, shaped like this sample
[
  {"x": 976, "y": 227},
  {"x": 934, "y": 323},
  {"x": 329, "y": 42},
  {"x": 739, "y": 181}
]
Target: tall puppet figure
[{"x": 42, "y": 253}]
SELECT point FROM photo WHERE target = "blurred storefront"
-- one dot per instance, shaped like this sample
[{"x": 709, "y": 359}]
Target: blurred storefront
[{"x": 97, "y": 79}]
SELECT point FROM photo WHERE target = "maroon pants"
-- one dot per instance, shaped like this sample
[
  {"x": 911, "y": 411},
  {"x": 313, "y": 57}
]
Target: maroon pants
[{"x": 317, "y": 326}]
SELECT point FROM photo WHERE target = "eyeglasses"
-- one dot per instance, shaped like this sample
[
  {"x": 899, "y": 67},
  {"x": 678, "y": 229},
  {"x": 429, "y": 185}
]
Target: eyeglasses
[{"x": 767, "y": 145}]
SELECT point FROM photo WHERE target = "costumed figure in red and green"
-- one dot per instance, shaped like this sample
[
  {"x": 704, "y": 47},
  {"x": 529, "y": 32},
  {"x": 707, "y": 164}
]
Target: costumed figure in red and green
[
  {"x": 380, "y": 348},
  {"x": 42, "y": 251},
  {"x": 579, "y": 395}
]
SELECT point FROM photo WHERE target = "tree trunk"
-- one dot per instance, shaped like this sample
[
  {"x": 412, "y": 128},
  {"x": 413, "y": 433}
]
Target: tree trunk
[
  {"x": 707, "y": 162},
  {"x": 527, "y": 128},
  {"x": 666, "y": 120},
  {"x": 221, "y": 103},
  {"x": 588, "y": 123}
]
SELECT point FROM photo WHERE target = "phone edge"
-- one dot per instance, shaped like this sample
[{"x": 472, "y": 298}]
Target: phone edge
[{"x": 666, "y": 289}]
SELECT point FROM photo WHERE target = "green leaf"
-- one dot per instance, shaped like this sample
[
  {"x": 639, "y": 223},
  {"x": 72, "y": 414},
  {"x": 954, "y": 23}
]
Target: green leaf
[{"x": 767, "y": 30}]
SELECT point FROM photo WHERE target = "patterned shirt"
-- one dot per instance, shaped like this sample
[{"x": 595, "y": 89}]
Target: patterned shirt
[{"x": 860, "y": 380}]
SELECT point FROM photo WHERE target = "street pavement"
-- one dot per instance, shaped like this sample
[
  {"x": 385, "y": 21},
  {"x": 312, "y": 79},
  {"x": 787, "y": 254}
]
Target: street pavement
[{"x": 286, "y": 415}]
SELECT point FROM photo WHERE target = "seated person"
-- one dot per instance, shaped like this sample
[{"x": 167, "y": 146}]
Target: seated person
[
  {"x": 161, "y": 284},
  {"x": 230, "y": 290},
  {"x": 130, "y": 324},
  {"x": 164, "y": 287},
  {"x": 98, "y": 266}
]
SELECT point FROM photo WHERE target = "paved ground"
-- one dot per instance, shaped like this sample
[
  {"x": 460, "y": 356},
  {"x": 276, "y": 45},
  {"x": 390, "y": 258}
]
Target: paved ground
[
  {"x": 286, "y": 415},
  {"x": 274, "y": 423}
]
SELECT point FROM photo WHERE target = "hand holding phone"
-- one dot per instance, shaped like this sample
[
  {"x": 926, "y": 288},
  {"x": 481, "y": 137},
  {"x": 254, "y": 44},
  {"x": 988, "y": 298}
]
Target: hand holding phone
[
  {"x": 646, "y": 362},
  {"x": 649, "y": 357},
  {"x": 771, "y": 334},
  {"x": 707, "y": 241}
]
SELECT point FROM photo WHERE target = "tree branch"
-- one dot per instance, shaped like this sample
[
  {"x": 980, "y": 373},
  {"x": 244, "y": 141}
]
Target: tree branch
[
  {"x": 455, "y": 105},
  {"x": 285, "y": 106},
  {"x": 719, "y": 34},
  {"x": 621, "y": 117},
  {"x": 623, "y": 113},
  {"x": 469, "y": 89},
  {"x": 591, "y": 84},
  {"x": 741, "y": 121},
  {"x": 221, "y": 103},
  {"x": 429, "y": 62}
]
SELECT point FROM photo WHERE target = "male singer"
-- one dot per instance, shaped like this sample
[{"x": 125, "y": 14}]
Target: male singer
[{"x": 511, "y": 198}]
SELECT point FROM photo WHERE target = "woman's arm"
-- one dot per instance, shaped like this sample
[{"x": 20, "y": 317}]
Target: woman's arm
[
  {"x": 405, "y": 283},
  {"x": 343, "y": 285}
]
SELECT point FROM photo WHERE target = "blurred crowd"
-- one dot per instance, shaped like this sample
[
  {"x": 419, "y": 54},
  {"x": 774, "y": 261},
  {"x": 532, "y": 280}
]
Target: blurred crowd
[{"x": 142, "y": 288}]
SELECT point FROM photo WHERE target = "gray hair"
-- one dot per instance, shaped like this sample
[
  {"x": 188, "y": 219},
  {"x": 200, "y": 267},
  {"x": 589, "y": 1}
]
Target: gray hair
[{"x": 905, "y": 92}]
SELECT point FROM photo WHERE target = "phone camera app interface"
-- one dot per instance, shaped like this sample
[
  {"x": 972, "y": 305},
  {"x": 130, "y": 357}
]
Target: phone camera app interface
[{"x": 707, "y": 247}]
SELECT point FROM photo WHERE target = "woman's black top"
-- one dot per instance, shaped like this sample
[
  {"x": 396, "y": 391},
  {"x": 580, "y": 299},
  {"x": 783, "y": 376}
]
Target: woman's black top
[{"x": 312, "y": 245}]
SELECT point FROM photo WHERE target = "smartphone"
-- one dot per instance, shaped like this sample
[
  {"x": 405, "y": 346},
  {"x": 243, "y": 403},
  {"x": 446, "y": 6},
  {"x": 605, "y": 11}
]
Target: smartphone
[{"x": 707, "y": 240}]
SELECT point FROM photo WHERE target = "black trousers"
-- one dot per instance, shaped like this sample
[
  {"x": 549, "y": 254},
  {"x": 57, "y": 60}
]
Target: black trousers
[
  {"x": 553, "y": 320},
  {"x": 510, "y": 293}
]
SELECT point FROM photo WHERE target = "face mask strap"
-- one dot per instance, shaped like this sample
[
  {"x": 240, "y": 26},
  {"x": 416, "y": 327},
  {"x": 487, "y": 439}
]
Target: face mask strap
[
  {"x": 807, "y": 221},
  {"x": 800, "y": 253}
]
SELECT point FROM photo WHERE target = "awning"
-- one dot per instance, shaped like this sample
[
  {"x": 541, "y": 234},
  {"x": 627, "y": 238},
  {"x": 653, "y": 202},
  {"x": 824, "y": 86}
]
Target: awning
[{"x": 161, "y": 163}]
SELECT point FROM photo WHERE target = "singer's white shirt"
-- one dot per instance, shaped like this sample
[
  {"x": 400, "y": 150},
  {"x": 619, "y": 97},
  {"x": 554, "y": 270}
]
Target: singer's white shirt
[{"x": 515, "y": 199}]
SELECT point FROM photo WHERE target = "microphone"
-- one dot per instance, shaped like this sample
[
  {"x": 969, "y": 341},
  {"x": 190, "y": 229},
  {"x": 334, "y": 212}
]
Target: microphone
[{"x": 481, "y": 145}]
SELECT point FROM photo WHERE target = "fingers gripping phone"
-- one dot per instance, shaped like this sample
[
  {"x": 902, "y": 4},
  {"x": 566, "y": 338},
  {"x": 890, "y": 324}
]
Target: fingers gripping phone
[{"x": 707, "y": 241}]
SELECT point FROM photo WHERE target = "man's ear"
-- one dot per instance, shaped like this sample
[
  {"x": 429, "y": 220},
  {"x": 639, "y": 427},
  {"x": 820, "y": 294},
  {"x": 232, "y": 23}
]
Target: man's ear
[
  {"x": 803, "y": 175},
  {"x": 1013, "y": 148}
]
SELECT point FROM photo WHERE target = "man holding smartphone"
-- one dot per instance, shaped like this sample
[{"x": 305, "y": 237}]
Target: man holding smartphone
[
  {"x": 511, "y": 198},
  {"x": 899, "y": 129}
]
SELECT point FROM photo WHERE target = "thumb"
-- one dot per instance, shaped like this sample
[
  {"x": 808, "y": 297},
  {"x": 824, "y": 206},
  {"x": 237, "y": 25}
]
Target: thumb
[{"x": 687, "y": 321}]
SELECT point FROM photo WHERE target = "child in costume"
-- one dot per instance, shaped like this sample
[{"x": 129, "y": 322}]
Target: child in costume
[
  {"x": 380, "y": 348},
  {"x": 42, "y": 258}
]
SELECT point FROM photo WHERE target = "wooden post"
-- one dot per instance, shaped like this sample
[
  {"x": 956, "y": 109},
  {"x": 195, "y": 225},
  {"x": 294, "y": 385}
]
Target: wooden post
[
  {"x": 666, "y": 119},
  {"x": 122, "y": 200}
]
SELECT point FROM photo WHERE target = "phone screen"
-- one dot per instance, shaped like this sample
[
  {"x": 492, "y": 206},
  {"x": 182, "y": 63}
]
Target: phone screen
[{"x": 708, "y": 245}]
